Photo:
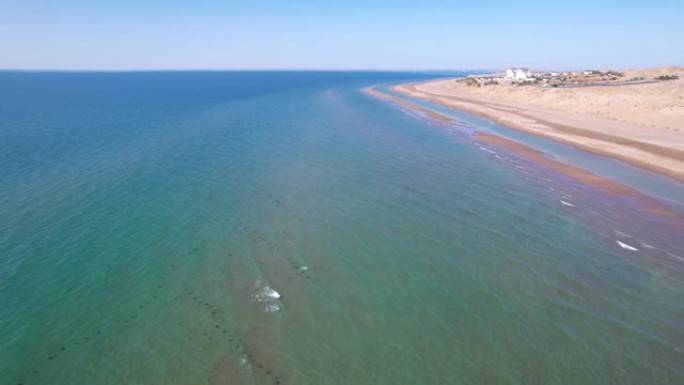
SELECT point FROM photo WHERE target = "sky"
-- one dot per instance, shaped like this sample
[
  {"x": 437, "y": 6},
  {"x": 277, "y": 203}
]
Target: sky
[{"x": 345, "y": 35}]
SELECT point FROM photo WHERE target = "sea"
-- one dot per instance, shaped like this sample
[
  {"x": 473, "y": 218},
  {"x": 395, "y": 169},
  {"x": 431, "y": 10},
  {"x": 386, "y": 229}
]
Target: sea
[{"x": 289, "y": 228}]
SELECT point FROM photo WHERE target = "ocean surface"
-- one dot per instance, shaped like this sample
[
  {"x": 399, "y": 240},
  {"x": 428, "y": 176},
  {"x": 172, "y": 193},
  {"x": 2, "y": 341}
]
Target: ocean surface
[{"x": 287, "y": 228}]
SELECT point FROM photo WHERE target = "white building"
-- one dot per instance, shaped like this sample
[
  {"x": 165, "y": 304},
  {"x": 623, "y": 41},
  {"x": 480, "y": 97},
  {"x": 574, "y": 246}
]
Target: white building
[{"x": 518, "y": 74}]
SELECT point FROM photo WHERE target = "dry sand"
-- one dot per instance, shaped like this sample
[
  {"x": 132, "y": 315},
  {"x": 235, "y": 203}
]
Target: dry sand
[{"x": 640, "y": 124}]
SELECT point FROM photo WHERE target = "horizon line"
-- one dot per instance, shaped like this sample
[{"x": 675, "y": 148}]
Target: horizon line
[
  {"x": 238, "y": 70},
  {"x": 471, "y": 70}
]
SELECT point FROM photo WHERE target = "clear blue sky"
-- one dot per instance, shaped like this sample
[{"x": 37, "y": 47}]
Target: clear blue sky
[{"x": 351, "y": 34}]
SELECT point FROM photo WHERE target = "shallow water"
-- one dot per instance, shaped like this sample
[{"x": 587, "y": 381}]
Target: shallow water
[
  {"x": 264, "y": 228},
  {"x": 649, "y": 183}
]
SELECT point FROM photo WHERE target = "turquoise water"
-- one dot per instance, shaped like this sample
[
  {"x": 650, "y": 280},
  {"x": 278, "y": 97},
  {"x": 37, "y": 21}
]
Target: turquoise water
[{"x": 286, "y": 228}]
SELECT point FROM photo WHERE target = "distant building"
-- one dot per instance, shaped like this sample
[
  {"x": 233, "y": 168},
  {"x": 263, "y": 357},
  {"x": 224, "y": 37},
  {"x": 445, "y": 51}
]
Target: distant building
[{"x": 518, "y": 74}]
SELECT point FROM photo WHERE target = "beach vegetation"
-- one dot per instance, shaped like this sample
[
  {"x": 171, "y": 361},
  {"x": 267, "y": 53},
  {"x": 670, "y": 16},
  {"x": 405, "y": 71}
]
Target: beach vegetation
[
  {"x": 471, "y": 82},
  {"x": 667, "y": 77}
]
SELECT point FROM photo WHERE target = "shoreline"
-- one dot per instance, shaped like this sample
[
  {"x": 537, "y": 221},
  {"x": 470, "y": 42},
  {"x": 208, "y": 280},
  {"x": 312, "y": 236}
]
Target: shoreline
[
  {"x": 431, "y": 114},
  {"x": 653, "y": 205},
  {"x": 647, "y": 154}
]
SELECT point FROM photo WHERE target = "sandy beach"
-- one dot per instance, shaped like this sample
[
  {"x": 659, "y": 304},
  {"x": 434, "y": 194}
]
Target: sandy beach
[{"x": 640, "y": 124}]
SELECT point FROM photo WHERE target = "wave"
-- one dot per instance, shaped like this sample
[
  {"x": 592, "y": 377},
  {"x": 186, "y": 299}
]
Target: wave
[
  {"x": 266, "y": 294},
  {"x": 485, "y": 149},
  {"x": 626, "y": 246},
  {"x": 269, "y": 298}
]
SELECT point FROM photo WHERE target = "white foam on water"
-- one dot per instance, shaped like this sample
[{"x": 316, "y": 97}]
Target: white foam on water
[
  {"x": 303, "y": 269},
  {"x": 646, "y": 245},
  {"x": 626, "y": 246},
  {"x": 266, "y": 294},
  {"x": 564, "y": 203},
  {"x": 243, "y": 361},
  {"x": 618, "y": 232},
  {"x": 271, "y": 308}
]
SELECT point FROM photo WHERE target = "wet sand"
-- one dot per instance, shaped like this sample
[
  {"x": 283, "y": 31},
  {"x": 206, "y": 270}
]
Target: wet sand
[{"x": 660, "y": 151}]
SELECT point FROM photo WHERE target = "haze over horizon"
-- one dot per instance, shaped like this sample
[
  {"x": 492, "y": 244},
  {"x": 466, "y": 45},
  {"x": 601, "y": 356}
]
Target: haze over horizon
[{"x": 304, "y": 35}]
